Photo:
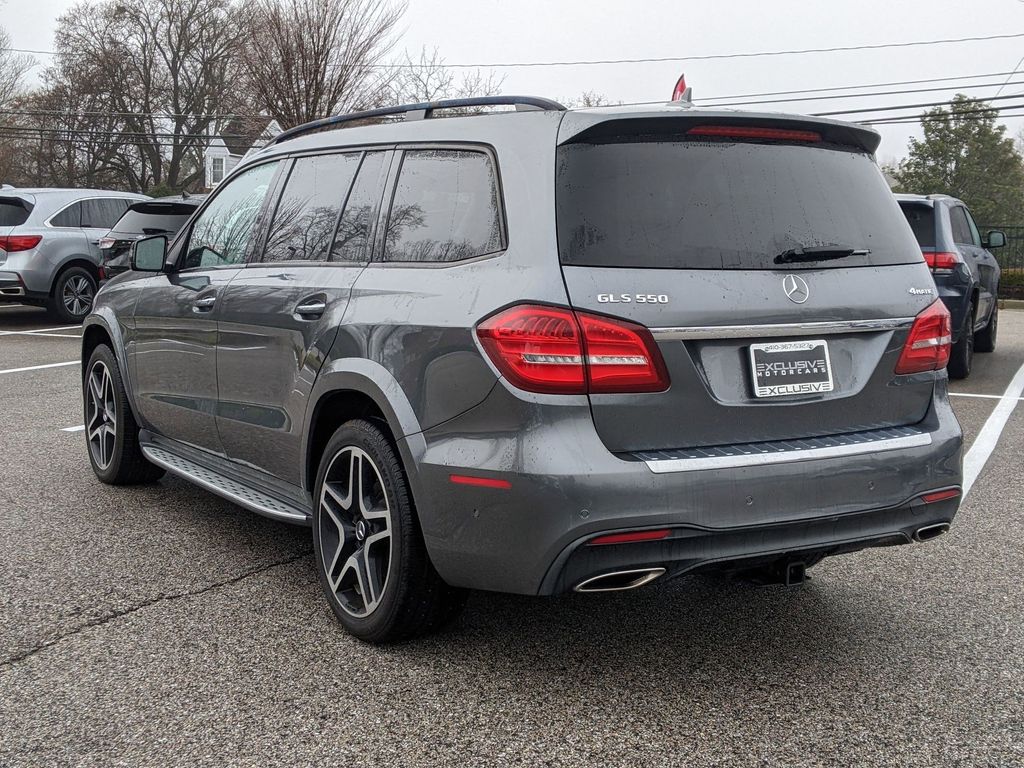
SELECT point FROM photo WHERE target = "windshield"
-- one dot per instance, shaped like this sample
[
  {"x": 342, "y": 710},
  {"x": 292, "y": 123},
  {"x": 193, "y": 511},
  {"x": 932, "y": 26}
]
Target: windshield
[{"x": 725, "y": 205}]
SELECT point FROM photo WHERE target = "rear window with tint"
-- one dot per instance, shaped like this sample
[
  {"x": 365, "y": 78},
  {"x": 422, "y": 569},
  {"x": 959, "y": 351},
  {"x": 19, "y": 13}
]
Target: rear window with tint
[
  {"x": 13, "y": 211},
  {"x": 921, "y": 219},
  {"x": 153, "y": 219},
  {"x": 723, "y": 205}
]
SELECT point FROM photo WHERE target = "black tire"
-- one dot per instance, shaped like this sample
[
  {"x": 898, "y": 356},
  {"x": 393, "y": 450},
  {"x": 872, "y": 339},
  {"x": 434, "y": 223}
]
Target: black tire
[
  {"x": 112, "y": 443},
  {"x": 985, "y": 339},
  {"x": 74, "y": 292},
  {"x": 962, "y": 355},
  {"x": 407, "y": 597}
]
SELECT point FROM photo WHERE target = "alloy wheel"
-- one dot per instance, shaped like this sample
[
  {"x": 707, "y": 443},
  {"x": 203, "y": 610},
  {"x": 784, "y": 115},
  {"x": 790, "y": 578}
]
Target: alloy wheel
[
  {"x": 101, "y": 415},
  {"x": 355, "y": 531},
  {"x": 77, "y": 295}
]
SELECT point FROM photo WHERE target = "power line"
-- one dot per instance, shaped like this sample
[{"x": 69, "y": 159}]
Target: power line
[
  {"x": 921, "y": 105},
  {"x": 869, "y": 93},
  {"x": 979, "y": 113},
  {"x": 665, "y": 59}
]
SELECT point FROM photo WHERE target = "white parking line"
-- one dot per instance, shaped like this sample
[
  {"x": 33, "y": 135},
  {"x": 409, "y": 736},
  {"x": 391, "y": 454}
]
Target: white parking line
[
  {"x": 40, "y": 333},
  {"x": 40, "y": 367},
  {"x": 986, "y": 440},
  {"x": 42, "y": 330},
  {"x": 79, "y": 428}
]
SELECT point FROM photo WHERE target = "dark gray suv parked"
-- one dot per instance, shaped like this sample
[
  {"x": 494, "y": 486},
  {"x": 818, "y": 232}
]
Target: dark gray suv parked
[
  {"x": 538, "y": 352},
  {"x": 966, "y": 273}
]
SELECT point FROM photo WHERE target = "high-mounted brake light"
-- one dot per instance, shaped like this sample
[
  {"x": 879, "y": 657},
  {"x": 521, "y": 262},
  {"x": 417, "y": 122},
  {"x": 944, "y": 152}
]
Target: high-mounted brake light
[
  {"x": 555, "y": 350},
  {"x": 15, "y": 243},
  {"x": 753, "y": 132},
  {"x": 929, "y": 341},
  {"x": 942, "y": 261}
]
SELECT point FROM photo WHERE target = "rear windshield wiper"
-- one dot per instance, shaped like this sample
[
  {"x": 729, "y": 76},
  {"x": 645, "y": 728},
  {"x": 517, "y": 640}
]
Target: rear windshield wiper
[{"x": 818, "y": 253}]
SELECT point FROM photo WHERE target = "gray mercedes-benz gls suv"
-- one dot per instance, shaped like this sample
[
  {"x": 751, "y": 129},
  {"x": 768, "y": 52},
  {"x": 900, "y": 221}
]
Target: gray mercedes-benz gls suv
[{"x": 539, "y": 351}]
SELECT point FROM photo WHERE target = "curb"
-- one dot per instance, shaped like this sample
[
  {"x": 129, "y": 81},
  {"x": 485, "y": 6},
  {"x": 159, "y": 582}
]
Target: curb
[{"x": 1011, "y": 303}]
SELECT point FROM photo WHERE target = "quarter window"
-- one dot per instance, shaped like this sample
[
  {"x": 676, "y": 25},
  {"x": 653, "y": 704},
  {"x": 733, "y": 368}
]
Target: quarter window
[
  {"x": 223, "y": 232},
  {"x": 961, "y": 229},
  {"x": 102, "y": 212},
  {"x": 352, "y": 238},
  {"x": 975, "y": 235},
  {"x": 303, "y": 223},
  {"x": 445, "y": 208},
  {"x": 69, "y": 217}
]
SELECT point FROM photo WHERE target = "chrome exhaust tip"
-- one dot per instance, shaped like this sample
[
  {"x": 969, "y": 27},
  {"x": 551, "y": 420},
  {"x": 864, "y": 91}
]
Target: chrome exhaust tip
[
  {"x": 929, "y": 532},
  {"x": 618, "y": 581}
]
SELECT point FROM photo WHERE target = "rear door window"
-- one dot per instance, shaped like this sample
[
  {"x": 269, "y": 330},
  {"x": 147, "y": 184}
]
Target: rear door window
[
  {"x": 723, "y": 204},
  {"x": 445, "y": 207},
  {"x": 69, "y": 217},
  {"x": 307, "y": 212},
  {"x": 921, "y": 218},
  {"x": 352, "y": 239},
  {"x": 102, "y": 212},
  {"x": 14, "y": 211},
  {"x": 961, "y": 229}
]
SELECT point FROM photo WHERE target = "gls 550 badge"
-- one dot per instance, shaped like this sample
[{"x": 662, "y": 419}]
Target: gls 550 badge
[{"x": 632, "y": 298}]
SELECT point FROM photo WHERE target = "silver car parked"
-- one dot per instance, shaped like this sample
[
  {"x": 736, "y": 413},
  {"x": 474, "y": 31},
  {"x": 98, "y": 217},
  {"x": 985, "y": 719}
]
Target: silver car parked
[{"x": 49, "y": 251}]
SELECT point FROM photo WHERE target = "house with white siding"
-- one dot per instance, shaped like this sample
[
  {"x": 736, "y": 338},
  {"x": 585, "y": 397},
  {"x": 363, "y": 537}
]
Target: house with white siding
[{"x": 239, "y": 138}]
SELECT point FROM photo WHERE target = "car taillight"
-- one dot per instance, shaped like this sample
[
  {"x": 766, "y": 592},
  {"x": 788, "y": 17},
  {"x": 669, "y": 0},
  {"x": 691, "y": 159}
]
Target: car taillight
[
  {"x": 106, "y": 242},
  {"x": 928, "y": 344},
  {"x": 942, "y": 262},
  {"x": 558, "y": 351},
  {"x": 15, "y": 243}
]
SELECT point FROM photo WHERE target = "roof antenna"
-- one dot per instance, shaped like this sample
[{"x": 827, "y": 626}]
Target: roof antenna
[{"x": 681, "y": 92}]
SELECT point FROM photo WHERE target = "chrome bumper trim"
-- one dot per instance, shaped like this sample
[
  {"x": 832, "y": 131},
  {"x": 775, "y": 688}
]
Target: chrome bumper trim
[
  {"x": 695, "y": 332},
  {"x": 751, "y": 456}
]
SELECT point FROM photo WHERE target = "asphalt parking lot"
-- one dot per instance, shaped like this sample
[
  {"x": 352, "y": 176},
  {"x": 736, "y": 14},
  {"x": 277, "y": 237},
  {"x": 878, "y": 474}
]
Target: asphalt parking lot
[{"x": 161, "y": 625}]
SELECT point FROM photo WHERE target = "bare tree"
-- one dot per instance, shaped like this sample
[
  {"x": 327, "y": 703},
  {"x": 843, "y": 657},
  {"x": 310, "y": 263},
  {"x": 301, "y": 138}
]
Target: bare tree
[
  {"x": 428, "y": 79},
  {"x": 13, "y": 68},
  {"x": 307, "y": 59}
]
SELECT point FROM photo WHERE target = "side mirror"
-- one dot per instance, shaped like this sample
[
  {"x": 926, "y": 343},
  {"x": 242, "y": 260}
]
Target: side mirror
[
  {"x": 149, "y": 254},
  {"x": 995, "y": 239}
]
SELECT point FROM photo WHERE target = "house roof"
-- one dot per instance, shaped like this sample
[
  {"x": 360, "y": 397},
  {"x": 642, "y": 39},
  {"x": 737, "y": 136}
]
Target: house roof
[{"x": 242, "y": 133}]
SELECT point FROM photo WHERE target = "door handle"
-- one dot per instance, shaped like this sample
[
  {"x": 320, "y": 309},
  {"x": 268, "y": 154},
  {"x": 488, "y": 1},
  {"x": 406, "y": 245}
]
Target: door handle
[
  {"x": 311, "y": 308},
  {"x": 203, "y": 303}
]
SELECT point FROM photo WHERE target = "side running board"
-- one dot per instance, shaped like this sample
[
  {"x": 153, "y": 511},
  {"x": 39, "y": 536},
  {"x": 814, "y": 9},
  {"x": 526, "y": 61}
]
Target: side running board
[{"x": 230, "y": 489}]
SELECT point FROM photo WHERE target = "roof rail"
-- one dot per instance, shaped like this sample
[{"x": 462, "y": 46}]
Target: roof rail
[{"x": 420, "y": 111}]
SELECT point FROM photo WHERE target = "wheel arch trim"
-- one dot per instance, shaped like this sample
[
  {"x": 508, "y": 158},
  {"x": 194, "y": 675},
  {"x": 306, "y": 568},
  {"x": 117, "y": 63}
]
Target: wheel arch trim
[{"x": 104, "y": 319}]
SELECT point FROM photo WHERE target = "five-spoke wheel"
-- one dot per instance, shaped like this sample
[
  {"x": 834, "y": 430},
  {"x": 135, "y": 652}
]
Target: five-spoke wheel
[
  {"x": 355, "y": 531},
  {"x": 100, "y": 415}
]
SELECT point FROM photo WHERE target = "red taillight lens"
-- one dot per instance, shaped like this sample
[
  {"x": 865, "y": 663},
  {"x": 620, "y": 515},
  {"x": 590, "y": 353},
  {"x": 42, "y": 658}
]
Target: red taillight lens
[
  {"x": 928, "y": 344},
  {"x": 554, "y": 350},
  {"x": 106, "y": 242},
  {"x": 753, "y": 132},
  {"x": 942, "y": 262},
  {"x": 15, "y": 243}
]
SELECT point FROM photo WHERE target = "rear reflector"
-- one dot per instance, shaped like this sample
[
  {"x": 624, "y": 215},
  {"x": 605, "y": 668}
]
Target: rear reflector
[
  {"x": 557, "y": 351},
  {"x": 482, "y": 482},
  {"x": 942, "y": 262},
  {"x": 15, "y": 243},
  {"x": 929, "y": 341},
  {"x": 931, "y": 498},
  {"x": 753, "y": 132},
  {"x": 626, "y": 538}
]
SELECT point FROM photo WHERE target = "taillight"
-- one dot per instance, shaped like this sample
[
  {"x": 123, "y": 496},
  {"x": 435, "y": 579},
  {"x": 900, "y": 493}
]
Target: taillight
[
  {"x": 555, "y": 350},
  {"x": 106, "y": 242},
  {"x": 943, "y": 261},
  {"x": 929, "y": 342},
  {"x": 15, "y": 243},
  {"x": 753, "y": 132}
]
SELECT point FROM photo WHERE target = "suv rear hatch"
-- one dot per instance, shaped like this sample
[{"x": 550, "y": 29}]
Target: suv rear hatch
[{"x": 742, "y": 242}]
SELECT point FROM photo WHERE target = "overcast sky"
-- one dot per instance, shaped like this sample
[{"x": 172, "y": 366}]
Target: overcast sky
[{"x": 557, "y": 30}]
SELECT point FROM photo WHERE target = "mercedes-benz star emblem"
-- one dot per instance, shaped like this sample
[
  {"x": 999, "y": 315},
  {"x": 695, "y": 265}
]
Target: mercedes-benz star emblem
[{"x": 796, "y": 288}]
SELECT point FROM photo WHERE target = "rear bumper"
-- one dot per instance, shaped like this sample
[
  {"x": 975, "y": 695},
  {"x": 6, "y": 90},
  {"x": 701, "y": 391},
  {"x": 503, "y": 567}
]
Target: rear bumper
[
  {"x": 567, "y": 488},
  {"x": 11, "y": 286}
]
